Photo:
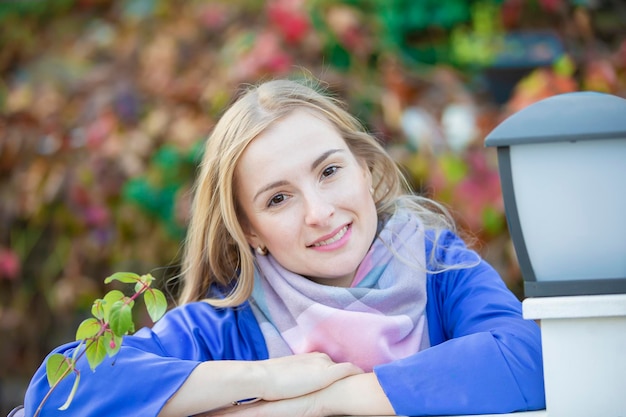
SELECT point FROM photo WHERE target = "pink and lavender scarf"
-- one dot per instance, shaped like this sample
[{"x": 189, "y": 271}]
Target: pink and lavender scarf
[{"x": 380, "y": 318}]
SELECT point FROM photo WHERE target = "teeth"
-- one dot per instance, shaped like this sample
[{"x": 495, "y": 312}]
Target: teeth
[{"x": 335, "y": 238}]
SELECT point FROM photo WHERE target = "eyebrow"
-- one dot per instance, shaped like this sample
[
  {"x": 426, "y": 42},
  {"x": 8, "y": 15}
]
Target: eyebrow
[
  {"x": 323, "y": 156},
  {"x": 314, "y": 165},
  {"x": 269, "y": 187}
]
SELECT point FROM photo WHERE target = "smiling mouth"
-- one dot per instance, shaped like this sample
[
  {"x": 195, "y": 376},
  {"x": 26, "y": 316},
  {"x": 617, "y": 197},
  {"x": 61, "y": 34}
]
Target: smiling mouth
[{"x": 333, "y": 239}]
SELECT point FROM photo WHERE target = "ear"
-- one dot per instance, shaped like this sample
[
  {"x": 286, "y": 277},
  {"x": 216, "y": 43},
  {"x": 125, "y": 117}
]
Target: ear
[
  {"x": 251, "y": 236},
  {"x": 253, "y": 240}
]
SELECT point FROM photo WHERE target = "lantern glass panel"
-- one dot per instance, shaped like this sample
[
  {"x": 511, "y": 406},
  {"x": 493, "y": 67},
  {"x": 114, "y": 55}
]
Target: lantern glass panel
[{"x": 571, "y": 201}]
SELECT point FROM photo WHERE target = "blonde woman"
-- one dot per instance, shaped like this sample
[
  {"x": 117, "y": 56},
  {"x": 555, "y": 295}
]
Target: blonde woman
[{"x": 316, "y": 284}]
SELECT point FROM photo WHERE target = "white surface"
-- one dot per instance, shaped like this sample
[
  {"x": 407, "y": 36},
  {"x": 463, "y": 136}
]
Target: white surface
[
  {"x": 541, "y": 413},
  {"x": 584, "y": 353},
  {"x": 610, "y": 305},
  {"x": 571, "y": 204}
]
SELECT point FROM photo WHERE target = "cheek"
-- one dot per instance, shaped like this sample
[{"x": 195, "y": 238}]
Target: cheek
[
  {"x": 279, "y": 230},
  {"x": 362, "y": 191},
  {"x": 354, "y": 191}
]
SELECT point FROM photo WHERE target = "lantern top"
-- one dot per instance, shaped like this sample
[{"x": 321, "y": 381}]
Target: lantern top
[{"x": 577, "y": 116}]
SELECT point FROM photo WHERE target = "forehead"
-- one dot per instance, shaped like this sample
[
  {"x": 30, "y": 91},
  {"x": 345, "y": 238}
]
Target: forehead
[{"x": 300, "y": 134}]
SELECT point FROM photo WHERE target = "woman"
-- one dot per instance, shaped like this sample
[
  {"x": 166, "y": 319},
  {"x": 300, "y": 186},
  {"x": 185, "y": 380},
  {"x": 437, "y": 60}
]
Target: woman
[{"x": 304, "y": 239}]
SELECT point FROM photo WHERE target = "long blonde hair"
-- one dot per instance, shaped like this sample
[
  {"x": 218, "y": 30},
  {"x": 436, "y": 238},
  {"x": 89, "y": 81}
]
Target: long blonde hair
[{"x": 216, "y": 250}]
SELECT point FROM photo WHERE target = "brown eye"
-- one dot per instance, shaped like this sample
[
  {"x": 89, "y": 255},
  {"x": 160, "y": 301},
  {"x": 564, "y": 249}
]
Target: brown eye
[
  {"x": 329, "y": 171},
  {"x": 277, "y": 199}
]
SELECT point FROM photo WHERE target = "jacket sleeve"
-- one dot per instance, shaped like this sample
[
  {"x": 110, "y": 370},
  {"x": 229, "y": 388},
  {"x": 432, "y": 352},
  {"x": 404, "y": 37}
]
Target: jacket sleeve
[
  {"x": 152, "y": 364},
  {"x": 484, "y": 357}
]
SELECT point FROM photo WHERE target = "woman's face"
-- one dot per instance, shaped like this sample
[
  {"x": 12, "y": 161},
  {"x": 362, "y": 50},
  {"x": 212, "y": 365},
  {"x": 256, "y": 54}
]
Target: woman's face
[{"x": 307, "y": 199}]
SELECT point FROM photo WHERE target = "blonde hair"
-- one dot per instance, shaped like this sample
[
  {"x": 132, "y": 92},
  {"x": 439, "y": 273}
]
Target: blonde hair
[{"x": 216, "y": 250}]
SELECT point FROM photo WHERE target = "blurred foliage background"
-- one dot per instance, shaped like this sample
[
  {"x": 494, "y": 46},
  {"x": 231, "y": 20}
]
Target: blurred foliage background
[{"x": 104, "y": 105}]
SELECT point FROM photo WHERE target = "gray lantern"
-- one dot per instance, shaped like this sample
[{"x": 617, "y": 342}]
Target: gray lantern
[{"x": 562, "y": 164}]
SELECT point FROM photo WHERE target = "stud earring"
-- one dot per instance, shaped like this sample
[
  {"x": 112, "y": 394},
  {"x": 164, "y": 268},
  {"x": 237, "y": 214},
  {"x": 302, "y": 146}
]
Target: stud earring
[
  {"x": 372, "y": 190},
  {"x": 261, "y": 250}
]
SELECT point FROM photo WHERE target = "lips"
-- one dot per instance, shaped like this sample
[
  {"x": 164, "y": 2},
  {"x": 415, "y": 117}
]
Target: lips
[{"x": 333, "y": 238}]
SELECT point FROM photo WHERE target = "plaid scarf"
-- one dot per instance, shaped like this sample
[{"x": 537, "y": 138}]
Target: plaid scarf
[{"x": 380, "y": 318}]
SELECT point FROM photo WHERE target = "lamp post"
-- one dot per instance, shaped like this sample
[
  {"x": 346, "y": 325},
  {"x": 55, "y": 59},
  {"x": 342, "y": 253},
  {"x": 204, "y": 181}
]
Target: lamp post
[{"x": 562, "y": 164}]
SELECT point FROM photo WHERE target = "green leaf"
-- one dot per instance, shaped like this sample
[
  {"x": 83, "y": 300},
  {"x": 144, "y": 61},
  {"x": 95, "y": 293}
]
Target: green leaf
[
  {"x": 112, "y": 343},
  {"x": 97, "y": 309},
  {"x": 121, "y": 318},
  {"x": 96, "y": 352},
  {"x": 57, "y": 368},
  {"x": 88, "y": 329},
  {"x": 155, "y": 303},
  {"x": 125, "y": 277},
  {"x": 145, "y": 281},
  {"x": 70, "y": 397},
  {"x": 140, "y": 287},
  {"x": 564, "y": 66},
  {"x": 453, "y": 167},
  {"x": 109, "y": 299},
  {"x": 493, "y": 220}
]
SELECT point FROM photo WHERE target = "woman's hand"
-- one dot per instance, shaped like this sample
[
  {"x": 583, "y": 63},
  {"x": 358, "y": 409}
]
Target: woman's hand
[
  {"x": 215, "y": 384},
  {"x": 354, "y": 395},
  {"x": 294, "y": 376},
  {"x": 304, "y": 406}
]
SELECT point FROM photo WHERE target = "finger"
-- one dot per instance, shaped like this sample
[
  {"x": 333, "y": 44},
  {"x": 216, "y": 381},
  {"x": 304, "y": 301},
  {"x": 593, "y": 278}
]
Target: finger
[{"x": 344, "y": 369}]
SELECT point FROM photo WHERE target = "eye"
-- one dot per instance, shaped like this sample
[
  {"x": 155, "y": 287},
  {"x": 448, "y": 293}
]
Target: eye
[
  {"x": 276, "y": 200},
  {"x": 329, "y": 171}
]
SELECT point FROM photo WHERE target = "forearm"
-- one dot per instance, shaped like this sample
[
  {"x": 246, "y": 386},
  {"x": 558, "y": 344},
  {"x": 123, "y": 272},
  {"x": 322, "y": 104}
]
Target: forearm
[
  {"x": 212, "y": 385},
  {"x": 215, "y": 384},
  {"x": 356, "y": 395}
]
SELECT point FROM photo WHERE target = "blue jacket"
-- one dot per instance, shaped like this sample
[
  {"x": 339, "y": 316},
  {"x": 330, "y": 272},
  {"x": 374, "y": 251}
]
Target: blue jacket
[{"x": 485, "y": 358}]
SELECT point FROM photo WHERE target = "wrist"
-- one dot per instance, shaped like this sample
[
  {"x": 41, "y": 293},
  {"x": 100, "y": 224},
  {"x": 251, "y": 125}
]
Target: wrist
[
  {"x": 255, "y": 375},
  {"x": 327, "y": 401},
  {"x": 355, "y": 395}
]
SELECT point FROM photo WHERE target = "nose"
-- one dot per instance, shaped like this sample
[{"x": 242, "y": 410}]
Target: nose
[{"x": 318, "y": 209}]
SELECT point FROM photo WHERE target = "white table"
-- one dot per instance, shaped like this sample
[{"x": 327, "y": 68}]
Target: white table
[{"x": 540, "y": 413}]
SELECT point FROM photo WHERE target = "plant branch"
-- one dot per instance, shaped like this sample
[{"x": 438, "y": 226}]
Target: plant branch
[{"x": 105, "y": 326}]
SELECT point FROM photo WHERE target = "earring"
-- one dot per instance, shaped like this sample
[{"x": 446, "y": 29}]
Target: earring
[
  {"x": 372, "y": 190},
  {"x": 261, "y": 250}
]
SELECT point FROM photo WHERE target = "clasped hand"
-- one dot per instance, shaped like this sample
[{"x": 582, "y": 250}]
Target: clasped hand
[{"x": 289, "y": 384}]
